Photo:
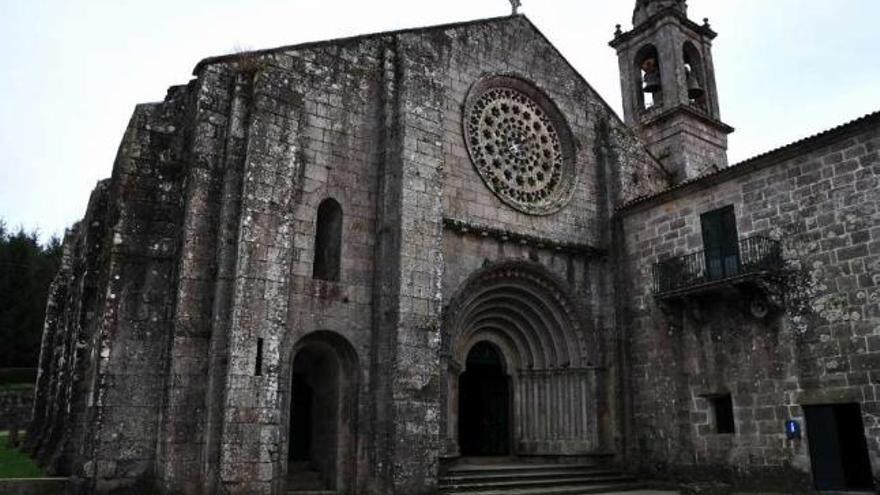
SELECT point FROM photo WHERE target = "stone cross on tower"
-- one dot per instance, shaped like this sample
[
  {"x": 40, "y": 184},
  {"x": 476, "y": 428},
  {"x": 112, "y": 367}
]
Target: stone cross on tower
[{"x": 515, "y": 5}]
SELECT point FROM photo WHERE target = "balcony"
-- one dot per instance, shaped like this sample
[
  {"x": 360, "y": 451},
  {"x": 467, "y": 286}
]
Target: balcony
[{"x": 753, "y": 261}]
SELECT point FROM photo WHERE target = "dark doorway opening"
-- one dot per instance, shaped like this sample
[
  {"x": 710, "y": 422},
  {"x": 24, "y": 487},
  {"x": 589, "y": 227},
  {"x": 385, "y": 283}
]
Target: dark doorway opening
[
  {"x": 322, "y": 415},
  {"x": 301, "y": 419},
  {"x": 314, "y": 420},
  {"x": 838, "y": 451},
  {"x": 484, "y": 404}
]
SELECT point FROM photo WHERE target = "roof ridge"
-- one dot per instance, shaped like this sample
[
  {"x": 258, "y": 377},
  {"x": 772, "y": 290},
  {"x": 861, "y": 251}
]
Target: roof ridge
[
  {"x": 357, "y": 37},
  {"x": 810, "y": 137},
  {"x": 771, "y": 156}
]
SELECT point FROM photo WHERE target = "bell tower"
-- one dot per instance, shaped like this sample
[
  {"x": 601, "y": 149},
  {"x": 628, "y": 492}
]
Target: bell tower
[{"x": 668, "y": 82}]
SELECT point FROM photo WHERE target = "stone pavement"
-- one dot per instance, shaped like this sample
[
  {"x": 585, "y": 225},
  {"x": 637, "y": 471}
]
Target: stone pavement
[{"x": 646, "y": 492}]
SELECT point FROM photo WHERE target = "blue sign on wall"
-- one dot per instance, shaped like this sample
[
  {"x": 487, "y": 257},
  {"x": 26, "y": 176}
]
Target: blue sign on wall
[{"x": 792, "y": 430}]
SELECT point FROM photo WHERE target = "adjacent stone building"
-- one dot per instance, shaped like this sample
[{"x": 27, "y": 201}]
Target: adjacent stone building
[
  {"x": 357, "y": 265},
  {"x": 729, "y": 346}
]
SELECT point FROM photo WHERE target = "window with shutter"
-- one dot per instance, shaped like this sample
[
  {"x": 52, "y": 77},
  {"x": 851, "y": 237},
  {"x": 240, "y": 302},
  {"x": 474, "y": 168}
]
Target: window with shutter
[{"x": 721, "y": 243}]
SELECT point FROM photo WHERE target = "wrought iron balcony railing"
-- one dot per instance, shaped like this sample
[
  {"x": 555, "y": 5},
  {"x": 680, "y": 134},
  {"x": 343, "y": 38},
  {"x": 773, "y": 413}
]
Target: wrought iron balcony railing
[{"x": 753, "y": 256}]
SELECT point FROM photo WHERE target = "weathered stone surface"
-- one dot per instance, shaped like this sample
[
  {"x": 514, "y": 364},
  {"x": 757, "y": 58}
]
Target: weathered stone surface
[
  {"x": 682, "y": 129},
  {"x": 16, "y": 406},
  {"x": 188, "y": 340},
  {"x": 197, "y": 255},
  {"x": 817, "y": 351}
]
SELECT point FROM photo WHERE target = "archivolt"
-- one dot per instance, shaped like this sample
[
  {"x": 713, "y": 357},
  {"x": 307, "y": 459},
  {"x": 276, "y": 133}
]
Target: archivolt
[{"x": 524, "y": 309}]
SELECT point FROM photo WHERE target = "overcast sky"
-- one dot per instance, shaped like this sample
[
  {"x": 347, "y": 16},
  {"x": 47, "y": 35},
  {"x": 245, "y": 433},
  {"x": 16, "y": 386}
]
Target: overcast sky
[{"x": 71, "y": 71}]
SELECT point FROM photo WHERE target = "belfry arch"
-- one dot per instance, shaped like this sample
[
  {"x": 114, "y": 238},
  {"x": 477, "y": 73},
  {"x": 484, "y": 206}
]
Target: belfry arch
[{"x": 529, "y": 318}]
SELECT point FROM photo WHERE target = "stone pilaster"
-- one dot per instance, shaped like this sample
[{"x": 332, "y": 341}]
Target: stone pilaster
[{"x": 251, "y": 433}]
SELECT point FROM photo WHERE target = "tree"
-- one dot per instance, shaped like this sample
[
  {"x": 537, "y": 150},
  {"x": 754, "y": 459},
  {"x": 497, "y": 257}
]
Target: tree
[{"x": 26, "y": 271}]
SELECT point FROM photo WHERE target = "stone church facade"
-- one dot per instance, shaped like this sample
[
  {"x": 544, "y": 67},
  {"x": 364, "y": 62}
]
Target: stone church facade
[{"x": 365, "y": 261}]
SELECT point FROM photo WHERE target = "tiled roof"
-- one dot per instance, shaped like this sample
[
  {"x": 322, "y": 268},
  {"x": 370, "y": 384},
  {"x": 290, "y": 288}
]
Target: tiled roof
[{"x": 764, "y": 159}]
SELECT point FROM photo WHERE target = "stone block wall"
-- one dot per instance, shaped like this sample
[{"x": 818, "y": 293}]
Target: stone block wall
[
  {"x": 201, "y": 245},
  {"x": 604, "y": 146},
  {"x": 67, "y": 364},
  {"x": 101, "y": 380},
  {"x": 612, "y": 166},
  {"x": 341, "y": 149},
  {"x": 688, "y": 138},
  {"x": 690, "y": 146},
  {"x": 16, "y": 406},
  {"x": 312, "y": 136},
  {"x": 135, "y": 317},
  {"x": 481, "y": 230},
  {"x": 819, "y": 198},
  {"x": 374, "y": 122}
]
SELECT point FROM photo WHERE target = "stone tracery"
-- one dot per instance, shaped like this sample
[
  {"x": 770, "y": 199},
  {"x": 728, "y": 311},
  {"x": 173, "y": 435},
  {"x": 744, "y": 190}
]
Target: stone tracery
[{"x": 517, "y": 144}]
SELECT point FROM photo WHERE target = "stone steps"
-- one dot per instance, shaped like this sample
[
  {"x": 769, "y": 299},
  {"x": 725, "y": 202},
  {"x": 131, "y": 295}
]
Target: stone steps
[
  {"x": 535, "y": 479},
  {"x": 500, "y": 465},
  {"x": 535, "y": 475},
  {"x": 578, "y": 489},
  {"x": 303, "y": 479}
]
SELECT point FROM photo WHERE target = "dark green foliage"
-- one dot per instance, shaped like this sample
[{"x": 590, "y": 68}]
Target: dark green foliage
[
  {"x": 18, "y": 376},
  {"x": 26, "y": 270}
]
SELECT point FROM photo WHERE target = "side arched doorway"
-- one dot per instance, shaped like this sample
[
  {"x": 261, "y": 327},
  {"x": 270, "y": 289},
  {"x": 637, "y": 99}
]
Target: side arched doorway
[
  {"x": 484, "y": 403},
  {"x": 322, "y": 415}
]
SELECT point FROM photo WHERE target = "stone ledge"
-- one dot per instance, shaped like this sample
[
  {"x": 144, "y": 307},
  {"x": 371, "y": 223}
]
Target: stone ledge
[
  {"x": 463, "y": 227},
  {"x": 34, "y": 486}
]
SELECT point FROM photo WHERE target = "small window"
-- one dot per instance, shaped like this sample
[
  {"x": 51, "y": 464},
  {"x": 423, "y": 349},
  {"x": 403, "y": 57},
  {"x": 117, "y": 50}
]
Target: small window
[
  {"x": 328, "y": 241},
  {"x": 258, "y": 366},
  {"x": 722, "y": 408}
]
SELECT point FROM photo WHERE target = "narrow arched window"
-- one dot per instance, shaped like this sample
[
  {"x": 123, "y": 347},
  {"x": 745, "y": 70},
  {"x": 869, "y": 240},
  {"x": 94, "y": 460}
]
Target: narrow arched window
[
  {"x": 695, "y": 77},
  {"x": 650, "y": 88},
  {"x": 328, "y": 241}
]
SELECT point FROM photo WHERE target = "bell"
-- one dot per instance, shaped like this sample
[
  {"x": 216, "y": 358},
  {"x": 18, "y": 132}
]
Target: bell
[
  {"x": 652, "y": 76},
  {"x": 695, "y": 91},
  {"x": 652, "y": 82}
]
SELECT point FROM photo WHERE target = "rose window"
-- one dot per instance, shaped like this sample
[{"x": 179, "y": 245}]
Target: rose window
[{"x": 517, "y": 150}]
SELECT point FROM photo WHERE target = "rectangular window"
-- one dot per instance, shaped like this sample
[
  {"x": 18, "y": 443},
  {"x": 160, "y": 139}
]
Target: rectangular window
[
  {"x": 258, "y": 369},
  {"x": 720, "y": 243},
  {"x": 722, "y": 408}
]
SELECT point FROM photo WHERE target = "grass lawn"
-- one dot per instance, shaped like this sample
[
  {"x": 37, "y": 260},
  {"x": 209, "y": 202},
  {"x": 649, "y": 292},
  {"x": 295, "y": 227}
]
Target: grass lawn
[{"x": 14, "y": 464}]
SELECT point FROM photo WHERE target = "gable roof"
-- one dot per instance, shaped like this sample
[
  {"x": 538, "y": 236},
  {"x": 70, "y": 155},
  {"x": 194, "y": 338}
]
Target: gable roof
[
  {"x": 351, "y": 39},
  {"x": 763, "y": 160},
  {"x": 419, "y": 30}
]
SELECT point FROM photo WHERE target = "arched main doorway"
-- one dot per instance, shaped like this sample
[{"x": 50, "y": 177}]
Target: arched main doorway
[
  {"x": 484, "y": 403},
  {"x": 322, "y": 415},
  {"x": 520, "y": 375}
]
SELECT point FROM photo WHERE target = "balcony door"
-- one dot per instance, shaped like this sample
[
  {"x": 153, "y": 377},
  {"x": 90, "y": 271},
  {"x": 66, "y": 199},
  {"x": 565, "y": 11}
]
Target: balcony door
[{"x": 720, "y": 243}]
